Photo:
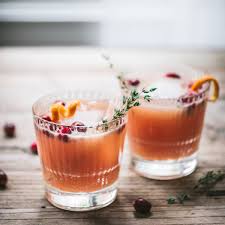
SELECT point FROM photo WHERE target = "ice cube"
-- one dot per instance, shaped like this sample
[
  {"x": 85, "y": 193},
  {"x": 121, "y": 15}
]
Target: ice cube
[{"x": 167, "y": 88}]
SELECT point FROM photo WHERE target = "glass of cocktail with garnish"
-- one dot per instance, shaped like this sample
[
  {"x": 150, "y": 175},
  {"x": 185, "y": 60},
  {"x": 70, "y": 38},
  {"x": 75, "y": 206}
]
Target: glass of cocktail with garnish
[
  {"x": 164, "y": 133},
  {"x": 80, "y": 151}
]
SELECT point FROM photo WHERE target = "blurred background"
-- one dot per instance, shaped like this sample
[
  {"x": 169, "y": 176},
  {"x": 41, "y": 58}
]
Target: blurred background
[{"x": 167, "y": 24}]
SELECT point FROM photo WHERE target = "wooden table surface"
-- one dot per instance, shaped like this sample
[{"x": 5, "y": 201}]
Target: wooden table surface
[{"x": 27, "y": 73}]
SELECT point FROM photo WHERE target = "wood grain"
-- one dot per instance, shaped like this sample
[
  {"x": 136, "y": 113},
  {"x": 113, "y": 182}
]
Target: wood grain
[{"x": 27, "y": 73}]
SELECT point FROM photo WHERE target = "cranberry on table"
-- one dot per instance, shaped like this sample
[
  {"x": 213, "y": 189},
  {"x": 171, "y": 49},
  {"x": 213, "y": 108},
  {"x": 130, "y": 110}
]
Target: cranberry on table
[
  {"x": 133, "y": 82},
  {"x": 3, "y": 179},
  {"x": 79, "y": 126},
  {"x": 33, "y": 148},
  {"x": 9, "y": 130},
  {"x": 142, "y": 206}
]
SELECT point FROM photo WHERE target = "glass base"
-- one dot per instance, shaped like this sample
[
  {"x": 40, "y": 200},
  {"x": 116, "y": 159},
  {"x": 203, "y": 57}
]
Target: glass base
[
  {"x": 165, "y": 169},
  {"x": 81, "y": 201}
]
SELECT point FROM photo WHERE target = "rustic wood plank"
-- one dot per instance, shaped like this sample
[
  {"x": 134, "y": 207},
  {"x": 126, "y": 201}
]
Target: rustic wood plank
[{"x": 50, "y": 69}]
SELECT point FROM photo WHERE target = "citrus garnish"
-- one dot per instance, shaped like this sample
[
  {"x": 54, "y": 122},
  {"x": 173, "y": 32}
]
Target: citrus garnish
[
  {"x": 59, "y": 111},
  {"x": 207, "y": 78}
]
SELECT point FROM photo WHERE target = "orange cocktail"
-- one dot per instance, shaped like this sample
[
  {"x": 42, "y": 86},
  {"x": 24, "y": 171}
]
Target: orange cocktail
[
  {"x": 80, "y": 155},
  {"x": 164, "y": 134},
  {"x": 158, "y": 133}
]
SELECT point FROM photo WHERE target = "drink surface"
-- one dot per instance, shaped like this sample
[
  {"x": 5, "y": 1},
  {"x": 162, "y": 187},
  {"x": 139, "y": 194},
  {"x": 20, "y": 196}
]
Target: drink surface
[
  {"x": 84, "y": 162},
  {"x": 169, "y": 127}
]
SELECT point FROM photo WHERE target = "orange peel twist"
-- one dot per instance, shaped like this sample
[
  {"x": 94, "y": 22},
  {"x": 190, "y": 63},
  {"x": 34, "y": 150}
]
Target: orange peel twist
[
  {"x": 207, "y": 78},
  {"x": 59, "y": 111}
]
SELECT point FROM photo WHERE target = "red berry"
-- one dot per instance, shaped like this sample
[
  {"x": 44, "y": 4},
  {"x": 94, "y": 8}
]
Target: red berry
[
  {"x": 173, "y": 75},
  {"x": 33, "y": 148},
  {"x": 63, "y": 137},
  {"x": 46, "y": 117},
  {"x": 52, "y": 127},
  {"x": 133, "y": 82},
  {"x": 3, "y": 179},
  {"x": 63, "y": 134},
  {"x": 79, "y": 126},
  {"x": 142, "y": 206},
  {"x": 9, "y": 129},
  {"x": 66, "y": 130}
]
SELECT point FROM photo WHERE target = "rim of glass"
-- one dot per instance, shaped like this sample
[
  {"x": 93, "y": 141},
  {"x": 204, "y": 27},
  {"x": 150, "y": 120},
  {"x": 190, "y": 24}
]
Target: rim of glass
[
  {"x": 168, "y": 66},
  {"x": 119, "y": 121}
]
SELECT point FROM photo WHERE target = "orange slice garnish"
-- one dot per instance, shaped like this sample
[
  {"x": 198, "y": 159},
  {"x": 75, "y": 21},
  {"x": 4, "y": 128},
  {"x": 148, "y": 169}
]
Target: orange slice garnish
[
  {"x": 58, "y": 111},
  {"x": 207, "y": 78}
]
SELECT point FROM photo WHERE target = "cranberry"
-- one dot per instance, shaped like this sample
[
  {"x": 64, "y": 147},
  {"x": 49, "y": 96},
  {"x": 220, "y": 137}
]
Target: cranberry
[
  {"x": 46, "y": 117},
  {"x": 66, "y": 130},
  {"x": 133, "y": 82},
  {"x": 60, "y": 102},
  {"x": 33, "y": 148},
  {"x": 173, "y": 75},
  {"x": 63, "y": 134},
  {"x": 189, "y": 97},
  {"x": 3, "y": 179},
  {"x": 47, "y": 133},
  {"x": 9, "y": 129},
  {"x": 63, "y": 137},
  {"x": 52, "y": 127},
  {"x": 142, "y": 206},
  {"x": 79, "y": 126}
]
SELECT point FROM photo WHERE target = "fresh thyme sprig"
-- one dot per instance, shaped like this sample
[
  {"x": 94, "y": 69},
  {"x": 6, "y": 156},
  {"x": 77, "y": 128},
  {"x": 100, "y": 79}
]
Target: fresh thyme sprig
[
  {"x": 129, "y": 101},
  {"x": 105, "y": 124},
  {"x": 204, "y": 185},
  {"x": 131, "y": 97},
  {"x": 180, "y": 198},
  {"x": 171, "y": 200},
  {"x": 209, "y": 180},
  {"x": 132, "y": 100}
]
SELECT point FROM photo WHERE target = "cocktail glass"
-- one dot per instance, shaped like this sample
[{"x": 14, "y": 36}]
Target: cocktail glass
[
  {"x": 164, "y": 134},
  {"x": 81, "y": 166}
]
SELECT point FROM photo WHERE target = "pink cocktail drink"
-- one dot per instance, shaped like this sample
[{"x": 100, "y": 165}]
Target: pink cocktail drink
[
  {"x": 80, "y": 156},
  {"x": 164, "y": 134}
]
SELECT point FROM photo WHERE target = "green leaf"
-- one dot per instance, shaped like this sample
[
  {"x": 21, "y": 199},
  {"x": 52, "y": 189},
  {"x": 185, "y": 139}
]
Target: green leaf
[
  {"x": 183, "y": 197},
  {"x": 147, "y": 97},
  {"x": 136, "y": 103},
  {"x": 152, "y": 89},
  {"x": 171, "y": 200},
  {"x": 124, "y": 99}
]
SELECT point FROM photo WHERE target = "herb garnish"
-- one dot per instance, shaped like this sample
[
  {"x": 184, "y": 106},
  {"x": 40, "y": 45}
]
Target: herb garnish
[
  {"x": 204, "y": 185},
  {"x": 209, "y": 180},
  {"x": 105, "y": 125},
  {"x": 132, "y": 100},
  {"x": 180, "y": 198},
  {"x": 171, "y": 200},
  {"x": 132, "y": 97}
]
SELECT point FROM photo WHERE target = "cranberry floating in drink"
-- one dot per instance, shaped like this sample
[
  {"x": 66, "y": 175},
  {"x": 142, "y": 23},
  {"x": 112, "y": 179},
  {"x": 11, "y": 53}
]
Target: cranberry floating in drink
[
  {"x": 80, "y": 155},
  {"x": 164, "y": 133}
]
